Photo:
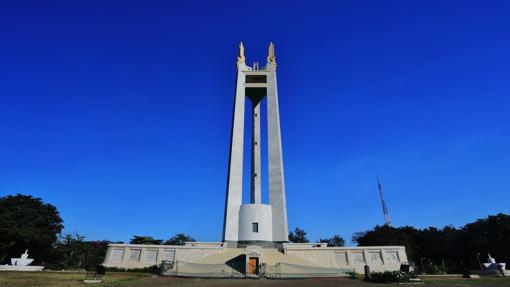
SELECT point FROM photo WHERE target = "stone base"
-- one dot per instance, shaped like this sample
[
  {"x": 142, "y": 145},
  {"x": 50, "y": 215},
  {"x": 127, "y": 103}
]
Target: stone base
[
  {"x": 263, "y": 244},
  {"x": 291, "y": 261},
  {"x": 378, "y": 258},
  {"x": 21, "y": 268},
  {"x": 92, "y": 281},
  {"x": 489, "y": 272}
]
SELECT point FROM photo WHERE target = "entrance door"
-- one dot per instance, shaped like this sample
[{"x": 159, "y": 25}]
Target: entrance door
[{"x": 253, "y": 265}]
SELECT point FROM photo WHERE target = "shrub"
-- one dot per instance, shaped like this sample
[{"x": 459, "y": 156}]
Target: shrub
[
  {"x": 351, "y": 274},
  {"x": 154, "y": 269},
  {"x": 100, "y": 269},
  {"x": 432, "y": 268},
  {"x": 389, "y": 276}
]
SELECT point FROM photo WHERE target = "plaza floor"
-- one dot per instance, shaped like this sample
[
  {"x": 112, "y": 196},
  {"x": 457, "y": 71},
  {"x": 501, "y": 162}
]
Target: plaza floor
[{"x": 316, "y": 282}]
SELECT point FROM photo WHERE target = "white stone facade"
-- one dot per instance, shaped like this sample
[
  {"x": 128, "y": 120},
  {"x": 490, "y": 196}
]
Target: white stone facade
[
  {"x": 379, "y": 258},
  {"x": 255, "y": 222},
  {"x": 130, "y": 256},
  {"x": 253, "y": 85}
]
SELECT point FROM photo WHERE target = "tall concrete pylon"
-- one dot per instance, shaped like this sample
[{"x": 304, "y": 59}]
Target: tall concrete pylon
[{"x": 256, "y": 222}]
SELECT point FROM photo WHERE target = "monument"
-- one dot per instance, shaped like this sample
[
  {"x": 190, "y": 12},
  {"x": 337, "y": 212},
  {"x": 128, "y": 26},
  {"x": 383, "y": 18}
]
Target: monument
[
  {"x": 255, "y": 234},
  {"x": 255, "y": 222},
  {"x": 21, "y": 264},
  {"x": 491, "y": 267}
]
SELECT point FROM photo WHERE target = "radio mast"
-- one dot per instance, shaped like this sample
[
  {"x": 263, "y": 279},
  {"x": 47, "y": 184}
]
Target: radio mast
[{"x": 387, "y": 220}]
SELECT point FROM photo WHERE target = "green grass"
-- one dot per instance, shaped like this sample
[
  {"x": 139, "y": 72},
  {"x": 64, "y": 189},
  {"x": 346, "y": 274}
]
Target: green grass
[
  {"x": 63, "y": 279},
  {"x": 455, "y": 281}
]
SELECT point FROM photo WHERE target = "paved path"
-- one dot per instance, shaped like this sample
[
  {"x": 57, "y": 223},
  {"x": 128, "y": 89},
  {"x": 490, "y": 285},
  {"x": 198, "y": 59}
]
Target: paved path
[
  {"x": 193, "y": 282},
  {"x": 316, "y": 282}
]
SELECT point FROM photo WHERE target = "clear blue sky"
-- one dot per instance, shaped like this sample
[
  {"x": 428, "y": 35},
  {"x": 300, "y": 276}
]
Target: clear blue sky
[{"x": 119, "y": 112}]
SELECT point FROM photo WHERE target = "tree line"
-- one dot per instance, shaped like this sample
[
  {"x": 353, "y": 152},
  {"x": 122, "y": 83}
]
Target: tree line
[
  {"x": 28, "y": 222},
  {"x": 299, "y": 236},
  {"x": 178, "y": 239},
  {"x": 447, "y": 249}
]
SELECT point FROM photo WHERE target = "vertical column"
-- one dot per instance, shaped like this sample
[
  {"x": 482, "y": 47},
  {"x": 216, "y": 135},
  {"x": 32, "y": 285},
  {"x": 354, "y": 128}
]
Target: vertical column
[
  {"x": 159, "y": 256},
  {"x": 367, "y": 257},
  {"x": 125, "y": 255},
  {"x": 255, "y": 153},
  {"x": 108, "y": 256},
  {"x": 275, "y": 159},
  {"x": 142, "y": 254},
  {"x": 235, "y": 166}
]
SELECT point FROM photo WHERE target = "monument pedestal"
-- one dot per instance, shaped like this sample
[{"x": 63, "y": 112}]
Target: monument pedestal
[
  {"x": 21, "y": 268},
  {"x": 21, "y": 264},
  {"x": 204, "y": 259}
]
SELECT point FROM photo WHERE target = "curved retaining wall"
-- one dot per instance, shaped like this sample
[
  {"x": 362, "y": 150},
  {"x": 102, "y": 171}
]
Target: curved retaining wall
[{"x": 259, "y": 214}]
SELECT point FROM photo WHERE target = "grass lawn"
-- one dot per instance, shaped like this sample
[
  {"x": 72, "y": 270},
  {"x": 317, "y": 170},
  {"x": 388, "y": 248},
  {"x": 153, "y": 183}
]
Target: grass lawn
[
  {"x": 63, "y": 279},
  {"x": 483, "y": 281},
  {"x": 124, "y": 279}
]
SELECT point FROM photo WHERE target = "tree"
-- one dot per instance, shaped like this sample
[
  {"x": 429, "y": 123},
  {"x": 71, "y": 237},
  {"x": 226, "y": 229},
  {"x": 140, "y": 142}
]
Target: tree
[
  {"x": 179, "y": 239},
  {"x": 436, "y": 250},
  {"x": 298, "y": 236},
  {"x": 357, "y": 235},
  {"x": 335, "y": 241},
  {"x": 145, "y": 240},
  {"x": 387, "y": 235},
  {"x": 488, "y": 235},
  {"x": 73, "y": 252},
  {"x": 27, "y": 223}
]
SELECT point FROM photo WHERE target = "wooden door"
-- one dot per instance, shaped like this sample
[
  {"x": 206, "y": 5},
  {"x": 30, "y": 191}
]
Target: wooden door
[{"x": 253, "y": 265}]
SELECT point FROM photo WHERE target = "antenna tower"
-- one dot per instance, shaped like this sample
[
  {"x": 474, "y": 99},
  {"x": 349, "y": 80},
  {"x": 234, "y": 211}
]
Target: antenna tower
[{"x": 387, "y": 220}]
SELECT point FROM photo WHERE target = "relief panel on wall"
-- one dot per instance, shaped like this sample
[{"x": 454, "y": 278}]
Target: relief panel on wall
[
  {"x": 375, "y": 257},
  {"x": 341, "y": 258},
  {"x": 357, "y": 258},
  {"x": 168, "y": 255},
  {"x": 117, "y": 255},
  {"x": 134, "y": 254},
  {"x": 392, "y": 257},
  {"x": 151, "y": 255}
]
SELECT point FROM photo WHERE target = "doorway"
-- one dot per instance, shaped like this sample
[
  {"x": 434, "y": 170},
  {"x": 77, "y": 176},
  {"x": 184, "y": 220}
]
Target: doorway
[{"x": 253, "y": 265}]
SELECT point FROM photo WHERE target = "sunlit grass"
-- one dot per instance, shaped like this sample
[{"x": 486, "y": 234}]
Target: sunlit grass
[{"x": 62, "y": 279}]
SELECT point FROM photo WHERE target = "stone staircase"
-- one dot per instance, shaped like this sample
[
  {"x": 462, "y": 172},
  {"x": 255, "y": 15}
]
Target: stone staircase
[
  {"x": 233, "y": 263},
  {"x": 228, "y": 254},
  {"x": 269, "y": 256}
]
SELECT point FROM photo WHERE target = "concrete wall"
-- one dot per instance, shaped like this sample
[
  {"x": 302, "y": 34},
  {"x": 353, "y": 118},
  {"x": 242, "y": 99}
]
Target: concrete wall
[
  {"x": 379, "y": 258},
  {"x": 129, "y": 256}
]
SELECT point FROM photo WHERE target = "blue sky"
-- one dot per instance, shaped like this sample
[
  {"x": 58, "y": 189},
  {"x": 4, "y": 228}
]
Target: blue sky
[{"x": 119, "y": 112}]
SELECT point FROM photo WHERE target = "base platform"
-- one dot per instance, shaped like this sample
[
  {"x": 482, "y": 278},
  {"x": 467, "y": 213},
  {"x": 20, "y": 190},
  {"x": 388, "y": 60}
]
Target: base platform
[
  {"x": 21, "y": 268},
  {"x": 294, "y": 260}
]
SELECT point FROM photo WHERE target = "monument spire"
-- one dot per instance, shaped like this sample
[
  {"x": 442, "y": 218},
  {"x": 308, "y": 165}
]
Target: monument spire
[
  {"x": 271, "y": 59},
  {"x": 240, "y": 56},
  {"x": 256, "y": 221}
]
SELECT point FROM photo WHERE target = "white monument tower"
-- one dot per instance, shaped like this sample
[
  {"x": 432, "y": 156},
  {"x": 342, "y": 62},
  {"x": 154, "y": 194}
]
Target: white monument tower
[
  {"x": 255, "y": 233},
  {"x": 255, "y": 222}
]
